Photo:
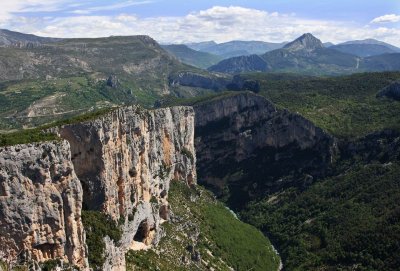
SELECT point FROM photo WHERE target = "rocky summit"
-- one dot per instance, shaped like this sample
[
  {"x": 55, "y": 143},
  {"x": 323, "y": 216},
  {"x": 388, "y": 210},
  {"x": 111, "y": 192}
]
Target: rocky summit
[{"x": 304, "y": 42}]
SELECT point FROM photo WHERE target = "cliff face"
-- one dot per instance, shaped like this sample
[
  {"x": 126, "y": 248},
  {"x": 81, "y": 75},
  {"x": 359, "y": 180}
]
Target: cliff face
[
  {"x": 246, "y": 147},
  {"x": 120, "y": 164},
  {"x": 126, "y": 161},
  {"x": 40, "y": 204}
]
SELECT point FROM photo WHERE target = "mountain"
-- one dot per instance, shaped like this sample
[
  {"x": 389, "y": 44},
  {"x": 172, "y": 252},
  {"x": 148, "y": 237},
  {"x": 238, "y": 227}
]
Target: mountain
[
  {"x": 305, "y": 55},
  {"x": 192, "y": 57},
  {"x": 240, "y": 48},
  {"x": 58, "y": 80},
  {"x": 306, "y": 42},
  {"x": 385, "y": 62},
  {"x": 199, "y": 46},
  {"x": 364, "y": 50},
  {"x": 328, "y": 44},
  {"x": 252, "y": 63},
  {"x": 15, "y": 39},
  {"x": 372, "y": 41}
]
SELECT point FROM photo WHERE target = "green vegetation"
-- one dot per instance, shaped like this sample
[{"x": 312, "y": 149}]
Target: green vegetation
[
  {"x": 207, "y": 228},
  {"x": 26, "y": 136},
  {"x": 348, "y": 222},
  {"x": 40, "y": 135},
  {"x": 98, "y": 226},
  {"x": 188, "y": 154},
  {"x": 344, "y": 106}
]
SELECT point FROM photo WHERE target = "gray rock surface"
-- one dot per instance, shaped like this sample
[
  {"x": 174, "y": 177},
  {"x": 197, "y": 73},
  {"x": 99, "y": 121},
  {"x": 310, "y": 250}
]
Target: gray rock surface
[
  {"x": 40, "y": 204},
  {"x": 125, "y": 161},
  {"x": 121, "y": 164}
]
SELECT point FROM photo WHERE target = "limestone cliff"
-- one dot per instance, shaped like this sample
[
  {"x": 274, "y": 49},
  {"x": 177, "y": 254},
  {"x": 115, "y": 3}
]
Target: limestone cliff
[
  {"x": 125, "y": 161},
  {"x": 246, "y": 147},
  {"x": 40, "y": 205},
  {"x": 120, "y": 164}
]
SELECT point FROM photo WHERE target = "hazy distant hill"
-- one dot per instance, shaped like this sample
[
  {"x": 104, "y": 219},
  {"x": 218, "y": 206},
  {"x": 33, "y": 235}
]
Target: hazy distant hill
[
  {"x": 363, "y": 50},
  {"x": 199, "y": 46},
  {"x": 192, "y": 57},
  {"x": 238, "y": 48},
  {"x": 372, "y": 41}
]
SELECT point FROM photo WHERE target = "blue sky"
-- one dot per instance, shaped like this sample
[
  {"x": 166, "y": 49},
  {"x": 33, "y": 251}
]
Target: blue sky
[{"x": 184, "y": 21}]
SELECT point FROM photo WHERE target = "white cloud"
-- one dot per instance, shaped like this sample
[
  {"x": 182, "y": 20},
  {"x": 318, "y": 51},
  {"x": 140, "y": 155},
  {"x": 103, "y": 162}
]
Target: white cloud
[
  {"x": 217, "y": 23},
  {"x": 388, "y": 18},
  {"x": 111, "y": 7}
]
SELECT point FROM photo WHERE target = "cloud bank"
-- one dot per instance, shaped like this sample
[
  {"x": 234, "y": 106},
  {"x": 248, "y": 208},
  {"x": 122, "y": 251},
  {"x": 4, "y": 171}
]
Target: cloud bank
[
  {"x": 389, "y": 18},
  {"x": 217, "y": 23}
]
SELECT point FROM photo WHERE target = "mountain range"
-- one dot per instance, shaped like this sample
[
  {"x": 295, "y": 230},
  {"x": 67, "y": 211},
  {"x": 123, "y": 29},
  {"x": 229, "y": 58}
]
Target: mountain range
[{"x": 308, "y": 55}]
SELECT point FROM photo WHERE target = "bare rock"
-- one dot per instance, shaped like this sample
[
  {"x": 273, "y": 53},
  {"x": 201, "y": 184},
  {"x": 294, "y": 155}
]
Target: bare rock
[{"x": 40, "y": 204}]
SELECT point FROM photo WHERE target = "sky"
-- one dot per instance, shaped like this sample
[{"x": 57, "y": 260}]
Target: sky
[{"x": 179, "y": 21}]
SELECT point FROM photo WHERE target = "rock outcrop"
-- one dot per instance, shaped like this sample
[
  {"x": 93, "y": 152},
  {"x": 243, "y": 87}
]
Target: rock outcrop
[
  {"x": 40, "y": 205},
  {"x": 191, "y": 79},
  {"x": 120, "y": 164},
  {"x": 125, "y": 161},
  {"x": 246, "y": 147}
]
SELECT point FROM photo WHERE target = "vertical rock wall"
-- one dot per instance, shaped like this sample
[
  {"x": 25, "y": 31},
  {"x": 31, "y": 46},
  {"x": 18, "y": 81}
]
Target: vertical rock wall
[
  {"x": 40, "y": 204},
  {"x": 125, "y": 161},
  {"x": 120, "y": 164}
]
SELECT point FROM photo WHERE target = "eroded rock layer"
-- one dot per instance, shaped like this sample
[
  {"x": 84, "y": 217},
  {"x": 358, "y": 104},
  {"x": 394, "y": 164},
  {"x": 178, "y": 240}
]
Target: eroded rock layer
[
  {"x": 120, "y": 164},
  {"x": 40, "y": 205},
  {"x": 125, "y": 161}
]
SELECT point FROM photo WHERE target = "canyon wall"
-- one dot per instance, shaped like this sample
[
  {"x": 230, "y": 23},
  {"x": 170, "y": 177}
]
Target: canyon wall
[
  {"x": 247, "y": 147},
  {"x": 120, "y": 164},
  {"x": 40, "y": 205}
]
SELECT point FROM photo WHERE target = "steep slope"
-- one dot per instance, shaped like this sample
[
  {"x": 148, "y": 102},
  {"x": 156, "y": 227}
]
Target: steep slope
[
  {"x": 20, "y": 40},
  {"x": 345, "y": 215},
  {"x": 192, "y": 57},
  {"x": 203, "y": 234},
  {"x": 247, "y": 148},
  {"x": 347, "y": 221}
]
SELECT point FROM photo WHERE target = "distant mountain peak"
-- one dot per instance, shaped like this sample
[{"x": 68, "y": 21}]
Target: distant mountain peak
[{"x": 305, "y": 42}]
